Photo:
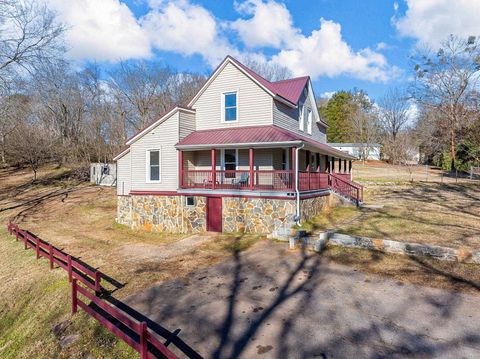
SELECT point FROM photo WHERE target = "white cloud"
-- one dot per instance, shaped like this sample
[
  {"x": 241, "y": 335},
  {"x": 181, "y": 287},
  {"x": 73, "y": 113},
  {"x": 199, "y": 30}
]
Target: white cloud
[
  {"x": 322, "y": 53},
  {"x": 270, "y": 24},
  {"x": 186, "y": 29},
  {"x": 326, "y": 53},
  {"x": 328, "y": 94},
  {"x": 103, "y": 30},
  {"x": 432, "y": 21},
  {"x": 412, "y": 112}
]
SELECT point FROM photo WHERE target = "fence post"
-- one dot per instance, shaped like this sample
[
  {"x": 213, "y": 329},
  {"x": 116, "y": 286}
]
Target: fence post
[
  {"x": 98, "y": 289},
  {"x": 50, "y": 252},
  {"x": 143, "y": 341},
  {"x": 69, "y": 266},
  {"x": 74, "y": 296},
  {"x": 37, "y": 243}
]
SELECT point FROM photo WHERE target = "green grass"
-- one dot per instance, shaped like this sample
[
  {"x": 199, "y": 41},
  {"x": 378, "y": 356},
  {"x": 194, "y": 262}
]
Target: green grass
[{"x": 34, "y": 300}]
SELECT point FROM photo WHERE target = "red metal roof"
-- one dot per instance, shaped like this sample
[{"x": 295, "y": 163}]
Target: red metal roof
[
  {"x": 290, "y": 89},
  {"x": 252, "y": 134}
]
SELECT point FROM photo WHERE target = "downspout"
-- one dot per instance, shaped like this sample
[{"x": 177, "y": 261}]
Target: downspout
[{"x": 297, "y": 191}]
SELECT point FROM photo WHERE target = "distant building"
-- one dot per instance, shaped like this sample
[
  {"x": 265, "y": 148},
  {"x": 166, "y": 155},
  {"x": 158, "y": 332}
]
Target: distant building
[
  {"x": 103, "y": 174},
  {"x": 357, "y": 149}
]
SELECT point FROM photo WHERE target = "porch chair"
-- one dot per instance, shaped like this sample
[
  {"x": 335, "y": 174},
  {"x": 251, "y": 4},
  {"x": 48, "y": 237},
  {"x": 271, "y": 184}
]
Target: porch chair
[{"x": 242, "y": 181}]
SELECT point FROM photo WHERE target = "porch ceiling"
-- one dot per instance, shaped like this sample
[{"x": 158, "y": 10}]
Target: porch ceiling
[{"x": 269, "y": 136}]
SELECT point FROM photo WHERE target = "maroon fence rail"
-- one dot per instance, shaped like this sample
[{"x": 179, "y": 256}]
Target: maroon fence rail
[
  {"x": 74, "y": 268},
  {"x": 346, "y": 188},
  {"x": 143, "y": 340},
  {"x": 142, "y": 337}
]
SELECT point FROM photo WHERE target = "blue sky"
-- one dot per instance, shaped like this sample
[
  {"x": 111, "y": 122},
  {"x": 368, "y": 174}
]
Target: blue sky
[{"x": 341, "y": 44}]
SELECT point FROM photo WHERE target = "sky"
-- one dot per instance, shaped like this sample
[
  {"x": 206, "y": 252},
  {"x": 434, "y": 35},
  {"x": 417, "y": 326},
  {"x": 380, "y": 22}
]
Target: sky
[{"x": 341, "y": 44}]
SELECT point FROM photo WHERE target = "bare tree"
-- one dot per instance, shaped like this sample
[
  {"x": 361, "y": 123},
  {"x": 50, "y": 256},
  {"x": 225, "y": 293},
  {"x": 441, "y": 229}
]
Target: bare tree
[
  {"x": 28, "y": 35},
  {"x": 271, "y": 71},
  {"x": 394, "y": 119},
  {"x": 445, "y": 81},
  {"x": 32, "y": 145},
  {"x": 394, "y": 108},
  {"x": 141, "y": 91},
  {"x": 364, "y": 123},
  {"x": 14, "y": 109}
]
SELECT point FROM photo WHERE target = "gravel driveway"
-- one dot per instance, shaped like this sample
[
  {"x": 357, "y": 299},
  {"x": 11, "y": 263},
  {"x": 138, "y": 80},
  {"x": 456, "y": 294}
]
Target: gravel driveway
[{"x": 271, "y": 303}]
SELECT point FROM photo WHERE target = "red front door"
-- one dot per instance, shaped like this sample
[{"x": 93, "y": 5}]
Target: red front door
[{"x": 214, "y": 214}]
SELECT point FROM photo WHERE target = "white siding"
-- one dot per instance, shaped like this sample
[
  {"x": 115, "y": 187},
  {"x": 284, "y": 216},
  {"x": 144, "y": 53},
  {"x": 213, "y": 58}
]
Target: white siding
[
  {"x": 163, "y": 137},
  {"x": 186, "y": 124},
  {"x": 254, "y": 104},
  {"x": 124, "y": 175},
  {"x": 287, "y": 117}
]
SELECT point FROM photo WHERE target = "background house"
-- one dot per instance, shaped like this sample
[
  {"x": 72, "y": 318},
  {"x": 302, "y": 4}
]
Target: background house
[
  {"x": 103, "y": 174},
  {"x": 372, "y": 151}
]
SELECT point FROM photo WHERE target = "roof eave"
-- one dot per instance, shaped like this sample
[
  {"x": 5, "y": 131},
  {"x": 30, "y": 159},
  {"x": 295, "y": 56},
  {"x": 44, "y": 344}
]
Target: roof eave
[
  {"x": 239, "y": 145},
  {"x": 121, "y": 154}
]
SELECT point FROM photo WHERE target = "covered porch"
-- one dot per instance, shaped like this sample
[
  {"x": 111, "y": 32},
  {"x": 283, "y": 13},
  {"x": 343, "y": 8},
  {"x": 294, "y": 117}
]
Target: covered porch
[{"x": 273, "y": 161}]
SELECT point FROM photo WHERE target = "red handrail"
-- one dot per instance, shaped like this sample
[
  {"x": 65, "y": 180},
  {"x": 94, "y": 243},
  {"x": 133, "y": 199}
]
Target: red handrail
[{"x": 346, "y": 188}]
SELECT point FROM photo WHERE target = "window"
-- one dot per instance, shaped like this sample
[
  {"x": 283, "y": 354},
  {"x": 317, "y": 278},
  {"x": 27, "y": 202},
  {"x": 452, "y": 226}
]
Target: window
[
  {"x": 229, "y": 107},
  {"x": 309, "y": 121},
  {"x": 190, "y": 201},
  {"x": 230, "y": 162},
  {"x": 105, "y": 170},
  {"x": 153, "y": 166},
  {"x": 285, "y": 159},
  {"x": 301, "y": 121}
]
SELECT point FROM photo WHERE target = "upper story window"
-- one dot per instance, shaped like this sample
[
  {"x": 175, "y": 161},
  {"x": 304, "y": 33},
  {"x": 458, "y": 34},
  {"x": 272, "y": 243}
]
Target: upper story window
[
  {"x": 153, "y": 166},
  {"x": 230, "y": 107},
  {"x": 301, "y": 120},
  {"x": 309, "y": 121}
]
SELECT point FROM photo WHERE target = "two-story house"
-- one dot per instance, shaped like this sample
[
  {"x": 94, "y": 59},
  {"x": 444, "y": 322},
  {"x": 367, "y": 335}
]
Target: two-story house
[{"x": 246, "y": 154}]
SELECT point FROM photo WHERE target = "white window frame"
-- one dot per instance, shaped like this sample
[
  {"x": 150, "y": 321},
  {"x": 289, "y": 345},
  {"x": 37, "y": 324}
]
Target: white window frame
[
  {"x": 222, "y": 99},
  {"x": 309, "y": 121},
  {"x": 147, "y": 163},
  {"x": 301, "y": 118},
  {"x": 186, "y": 201},
  {"x": 222, "y": 159},
  {"x": 286, "y": 164}
]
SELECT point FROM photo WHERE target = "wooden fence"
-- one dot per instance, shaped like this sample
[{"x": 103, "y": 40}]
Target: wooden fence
[
  {"x": 75, "y": 269},
  {"x": 83, "y": 279}
]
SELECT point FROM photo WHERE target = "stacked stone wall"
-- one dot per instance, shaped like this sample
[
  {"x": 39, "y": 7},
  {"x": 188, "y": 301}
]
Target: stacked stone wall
[
  {"x": 257, "y": 215},
  {"x": 246, "y": 215}
]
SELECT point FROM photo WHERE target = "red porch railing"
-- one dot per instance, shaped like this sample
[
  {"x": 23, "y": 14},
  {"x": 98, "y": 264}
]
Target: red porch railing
[
  {"x": 239, "y": 180},
  {"x": 310, "y": 181},
  {"x": 346, "y": 188}
]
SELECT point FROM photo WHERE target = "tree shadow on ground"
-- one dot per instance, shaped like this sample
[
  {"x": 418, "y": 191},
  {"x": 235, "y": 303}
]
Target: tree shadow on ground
[{"x": 228, "y": 309}]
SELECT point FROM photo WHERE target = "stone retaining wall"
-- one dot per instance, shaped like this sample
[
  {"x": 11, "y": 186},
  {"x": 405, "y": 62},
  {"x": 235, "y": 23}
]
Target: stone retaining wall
[
  {"x": 414, "y": 249},
  {"x": 162, "y": 213},
  {"x": 249, "y": 215},
  {"x": 257, "y": 215}
]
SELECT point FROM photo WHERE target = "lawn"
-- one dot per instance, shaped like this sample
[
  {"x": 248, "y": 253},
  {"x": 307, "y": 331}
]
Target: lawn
[
  {"x": 431, "y": 212},
  {"x": 80, "y": 218},
  {"x": 35, "y": 316}
]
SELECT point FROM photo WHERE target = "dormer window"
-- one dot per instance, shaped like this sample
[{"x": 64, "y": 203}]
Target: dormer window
[
  {"x": 309, "y": 121},
  {"x": 301, "y": 120},
  {"x": 230, "y": 107}
]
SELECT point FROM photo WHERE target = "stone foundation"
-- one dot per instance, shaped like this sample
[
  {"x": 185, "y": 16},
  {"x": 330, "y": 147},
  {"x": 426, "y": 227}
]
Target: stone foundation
[
  {"x": 249, "y": 215},
  {"x": 162, "y": 214},
  {"x": 257, "y": 215}
]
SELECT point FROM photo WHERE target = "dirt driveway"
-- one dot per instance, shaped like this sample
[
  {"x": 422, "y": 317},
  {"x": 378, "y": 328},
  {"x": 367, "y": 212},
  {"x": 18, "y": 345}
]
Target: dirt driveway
[{"x": 269, "y": 303}]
